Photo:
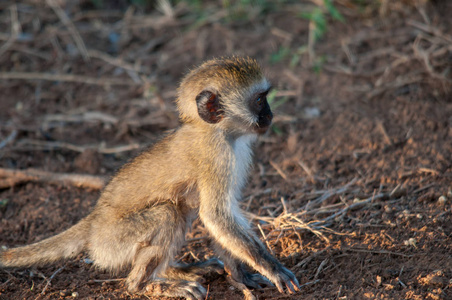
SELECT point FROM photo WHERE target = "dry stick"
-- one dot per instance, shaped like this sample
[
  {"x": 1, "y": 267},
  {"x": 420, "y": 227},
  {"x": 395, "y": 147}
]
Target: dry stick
[
  {"x": 265, "y": 238},
  {"x": 6, "y": 282},
  {"x": 132, "y": 70},
  {"x": 241, "y": 287},
  {"x": 376, "y": 251},
  {"x": 108, "y": 280},
  {"x": 51, "y": 277},
  {"x": 321, "y": 210},
  {"x": 306, "y": 169},
  {"x": 328, "y": 194},
  {"x": 401, "y": 59},
  {"x": 384, "y": 132},
  {"x": 431, "y": 30},
  {"x": 320, "y": 268},
  {"x": 8, "y": 139},
  {"x": 68, "y": 23},
  {"x": 23, "y": 49},
  {"x": 309, "y": 258},
  {"x": 85, "y": 116},
  {"x": 425, "y": 57},
  {"x": 278, "y": 169},
  {"x": 309, "y": 283},
  {"x": 65, "y": 78},
  {"x": 15, "y": 29},
  {"x": 312, "y": 229},
  {"x": 117, "y": 62},
  {"x": 392, "y": 85},
  {"x": 285, "y": 223},
  {"x": 44, "y": 145},
  {"x": 14, "y": 177},
  {"x": 353, "y": 206}
]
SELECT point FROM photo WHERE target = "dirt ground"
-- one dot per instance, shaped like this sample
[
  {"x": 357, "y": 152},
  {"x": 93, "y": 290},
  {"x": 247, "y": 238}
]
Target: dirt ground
[{"x": 351, "y": 189}]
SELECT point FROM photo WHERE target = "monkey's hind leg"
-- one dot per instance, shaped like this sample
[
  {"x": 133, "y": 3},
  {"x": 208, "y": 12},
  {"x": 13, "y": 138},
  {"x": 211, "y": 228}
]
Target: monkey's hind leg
[
  {"x": 165, "y": 232},
  {"x": 151, "y": 266}
]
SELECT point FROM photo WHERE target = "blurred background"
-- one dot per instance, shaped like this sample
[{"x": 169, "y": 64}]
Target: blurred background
[{"x": 351, "y": 187}]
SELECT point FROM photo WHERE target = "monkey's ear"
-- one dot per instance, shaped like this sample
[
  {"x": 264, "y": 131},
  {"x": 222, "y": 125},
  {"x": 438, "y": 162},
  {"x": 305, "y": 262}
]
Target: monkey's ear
[{"x": 209, "y": 107}]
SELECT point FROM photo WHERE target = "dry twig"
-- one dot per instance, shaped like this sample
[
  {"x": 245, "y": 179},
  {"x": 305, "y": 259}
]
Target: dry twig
[
  {"x": 65, "y": 78},
  {"x": 15, "y": 30},
  {"x": 279, "y": 170},
  {"x": 50, "y": 279},
  {"x": 28, "y": 144},
  {"x": 247, "y": 294},
  {"x": 68, "y": 23},
  {"x": 8, "y": 139},
  {"x": 12, "y": 177}
]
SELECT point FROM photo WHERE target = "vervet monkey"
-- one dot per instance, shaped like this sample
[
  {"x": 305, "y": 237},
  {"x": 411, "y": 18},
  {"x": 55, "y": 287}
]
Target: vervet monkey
[{"x": 199, "y": 170}]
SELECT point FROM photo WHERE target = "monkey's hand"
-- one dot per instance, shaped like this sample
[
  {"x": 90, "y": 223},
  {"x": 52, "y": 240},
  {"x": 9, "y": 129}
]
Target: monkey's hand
[
  {"x": 282, "y": 276},
  {"x": 238, "y": 273},
  {"x": 231, "y": 231}
]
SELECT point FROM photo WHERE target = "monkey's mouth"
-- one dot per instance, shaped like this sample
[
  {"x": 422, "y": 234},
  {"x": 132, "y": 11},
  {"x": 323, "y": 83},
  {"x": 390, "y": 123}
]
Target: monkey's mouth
[
  {"x": 264, "y": 123},
  {"x": 261, "y": 130},
  {"x": 262, "y": 127}
]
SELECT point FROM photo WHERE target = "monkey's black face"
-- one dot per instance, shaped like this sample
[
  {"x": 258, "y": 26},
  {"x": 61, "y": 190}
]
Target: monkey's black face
[
  {"x": 213, "y": 109},
  {"x": 259, "y": 107}
]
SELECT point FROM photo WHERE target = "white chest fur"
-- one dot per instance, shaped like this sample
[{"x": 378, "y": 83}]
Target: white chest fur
[{"x": 242, "y": 148}]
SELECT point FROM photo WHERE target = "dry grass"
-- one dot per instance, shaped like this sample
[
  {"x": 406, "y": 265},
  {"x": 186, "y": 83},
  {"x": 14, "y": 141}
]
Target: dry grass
[{"x": 103, "y": 80}]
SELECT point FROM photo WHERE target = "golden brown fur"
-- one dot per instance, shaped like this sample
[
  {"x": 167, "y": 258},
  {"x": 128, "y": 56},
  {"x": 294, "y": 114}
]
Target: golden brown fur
[{"x": 142, "y": 215}]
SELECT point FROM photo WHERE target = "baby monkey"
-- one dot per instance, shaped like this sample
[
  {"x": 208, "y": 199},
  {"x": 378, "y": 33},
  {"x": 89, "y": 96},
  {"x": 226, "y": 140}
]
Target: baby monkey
[{"x": 199, "y": 170}]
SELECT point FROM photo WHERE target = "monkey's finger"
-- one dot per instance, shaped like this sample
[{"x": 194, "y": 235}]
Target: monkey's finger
[
  {"x": 293, "y": 280},
  {"x": 194, "y": 293},
  {"x": 191, "y": 296},
  {"x": 259, "y": 279},
  {"x": 252, "y": 284},
  {"x": 196, "y": 289},
  {"x": 216, "y": 265},
  {"x": 279, "y": 286},
  {"x": 290, "y": 287},
  {"x": 295, "y": 283}
]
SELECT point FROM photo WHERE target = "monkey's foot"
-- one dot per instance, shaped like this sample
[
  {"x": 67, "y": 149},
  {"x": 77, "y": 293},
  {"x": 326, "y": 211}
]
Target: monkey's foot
[
  {"x": 194, "y": 272},
  {"x": 189, "y": 290}
]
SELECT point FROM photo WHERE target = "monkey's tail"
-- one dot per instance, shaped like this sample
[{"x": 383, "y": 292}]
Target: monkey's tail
[{"x": 67, "y": 244}]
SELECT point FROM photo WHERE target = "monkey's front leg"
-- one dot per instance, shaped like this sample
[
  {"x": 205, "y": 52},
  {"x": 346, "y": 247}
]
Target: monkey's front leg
[{"x": 229, "y": 228}]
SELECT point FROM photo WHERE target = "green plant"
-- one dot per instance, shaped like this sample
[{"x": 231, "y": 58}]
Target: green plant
[
  {"x": 282, "y": 53},
  {"x": 318, "y": 22},
  {"x": 271, "y": 99}
]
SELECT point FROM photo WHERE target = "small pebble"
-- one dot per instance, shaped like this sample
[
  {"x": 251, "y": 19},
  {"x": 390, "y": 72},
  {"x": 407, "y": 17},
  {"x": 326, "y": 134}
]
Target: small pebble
[
  {"x": 74, "y": 294},
  {"x": 410, "y": 242},
  {"x": 442, "y": 200},
  {"x": 88, "y": 261}
]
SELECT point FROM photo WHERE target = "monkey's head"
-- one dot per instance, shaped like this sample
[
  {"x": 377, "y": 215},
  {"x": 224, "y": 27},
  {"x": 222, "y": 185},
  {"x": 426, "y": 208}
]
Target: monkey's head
[{"x": 228, "y": 93}]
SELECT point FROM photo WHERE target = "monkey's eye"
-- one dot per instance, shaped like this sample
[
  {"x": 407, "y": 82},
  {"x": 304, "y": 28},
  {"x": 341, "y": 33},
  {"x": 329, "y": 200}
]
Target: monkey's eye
[{"x": 260, "y": 100}]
